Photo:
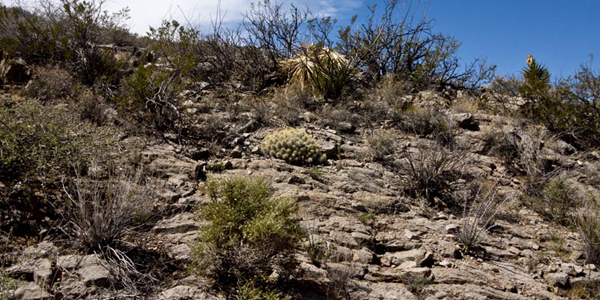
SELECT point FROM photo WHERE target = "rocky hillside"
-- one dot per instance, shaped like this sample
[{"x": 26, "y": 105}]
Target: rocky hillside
[{"x": 368, "y": 236}]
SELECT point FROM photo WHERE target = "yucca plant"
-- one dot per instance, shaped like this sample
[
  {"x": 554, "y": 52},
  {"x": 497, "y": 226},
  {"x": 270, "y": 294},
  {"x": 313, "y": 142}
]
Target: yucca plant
[
  {"x": 542, "y": 103},
  {"x": 536, "y": 79},
  {"x": 320, "y": 68}
]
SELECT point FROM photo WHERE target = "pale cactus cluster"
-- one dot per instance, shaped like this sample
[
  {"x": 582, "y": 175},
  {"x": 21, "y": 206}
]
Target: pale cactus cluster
[{"x": 294, "y": 145}]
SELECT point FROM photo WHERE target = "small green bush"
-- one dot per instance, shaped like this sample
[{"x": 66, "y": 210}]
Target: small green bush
[
  {"x": 249, "y": 233},
  {"x": 293, "y": 145}
]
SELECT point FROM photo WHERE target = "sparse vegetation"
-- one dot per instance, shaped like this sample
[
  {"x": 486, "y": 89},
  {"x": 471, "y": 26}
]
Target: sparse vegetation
[
  {"x": 555, "y": 201},
  {"x": 46, "y": 142},
  {"x": 7, "y": 284},
  {"x": 430, "y": 122},
  {"x": 589, "y": 227}
]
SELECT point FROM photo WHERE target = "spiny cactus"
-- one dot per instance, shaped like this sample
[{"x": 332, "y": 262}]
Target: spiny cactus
[{"x": 293, "y": 145}]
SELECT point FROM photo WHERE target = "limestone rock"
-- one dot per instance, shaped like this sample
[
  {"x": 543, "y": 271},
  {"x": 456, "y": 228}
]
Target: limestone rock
[
  {"x": 180, "y": 223},
  {"x": 558, "y": 279},
  {"x": 96, "y": 275},
  {"x": 31, "y": 291}
]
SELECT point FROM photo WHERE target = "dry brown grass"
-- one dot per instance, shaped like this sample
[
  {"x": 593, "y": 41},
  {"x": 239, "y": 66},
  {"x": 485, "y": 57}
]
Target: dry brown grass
[
  {"x": 50, "y": 83},
  {"x": 465, "y": 105},
  {"x": 382, "y": 143},
  {"x": 102, "y": 212},
  {"x": 433, "y": 171}
]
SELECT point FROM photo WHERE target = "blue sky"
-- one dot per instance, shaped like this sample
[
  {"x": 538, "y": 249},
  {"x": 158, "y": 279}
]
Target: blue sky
[{"x": 560, "y": 34}]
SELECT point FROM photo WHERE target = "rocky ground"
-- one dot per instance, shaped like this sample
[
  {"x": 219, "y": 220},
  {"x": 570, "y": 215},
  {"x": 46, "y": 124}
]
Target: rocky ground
[{"x": 375, "y": 240}]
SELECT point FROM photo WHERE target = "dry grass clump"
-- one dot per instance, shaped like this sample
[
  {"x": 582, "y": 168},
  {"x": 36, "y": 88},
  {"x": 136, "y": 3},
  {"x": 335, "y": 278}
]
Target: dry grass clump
[
  {"x": 433, "y": 171},
  {"x": 465, "y": 105},
  {"x": 479, "y": 213},
  {"x": 589, "y": 227},
  {"x": 382, "y": 144},
  {"x": 102, "y": 212},
  {"x": 430, "y": 122}
]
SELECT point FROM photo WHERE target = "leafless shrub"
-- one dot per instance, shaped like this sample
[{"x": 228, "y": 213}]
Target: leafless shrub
[
  {"x": 479, "y": 214},
  {"x": 397, "y": 41},
  {"x": 125, "y": 273},
  {"x": 274, "y": 30},
  {"x": 433, "y": 171},
  {"x": 102, "y": 212},
  {"x": 290, "y": 102}
]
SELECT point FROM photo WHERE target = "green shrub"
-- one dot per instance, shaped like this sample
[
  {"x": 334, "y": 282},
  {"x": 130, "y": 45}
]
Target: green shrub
[
  {"x": 249, "y": 233},
  {"x": 293, "y": 145}
]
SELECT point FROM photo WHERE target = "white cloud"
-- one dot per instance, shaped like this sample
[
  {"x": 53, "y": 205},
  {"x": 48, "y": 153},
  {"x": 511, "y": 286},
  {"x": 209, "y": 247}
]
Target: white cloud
[{"x": 145, "y": 13}]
